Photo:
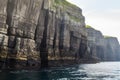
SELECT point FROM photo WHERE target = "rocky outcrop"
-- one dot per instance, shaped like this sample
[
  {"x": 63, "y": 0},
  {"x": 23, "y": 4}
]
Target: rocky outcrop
[
  {"x": 35, "y": 32},
  {"x": 105, "y": 48}
]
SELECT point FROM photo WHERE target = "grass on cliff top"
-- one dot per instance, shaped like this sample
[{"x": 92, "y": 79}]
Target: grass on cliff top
[
  {"x": 106, "y": 36},
  {"x": 64, "y": 2},
  {"x": 88, "y": 26}
]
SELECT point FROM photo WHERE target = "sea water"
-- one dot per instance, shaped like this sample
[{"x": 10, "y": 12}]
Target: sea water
[{"x": 98, "y": 71}]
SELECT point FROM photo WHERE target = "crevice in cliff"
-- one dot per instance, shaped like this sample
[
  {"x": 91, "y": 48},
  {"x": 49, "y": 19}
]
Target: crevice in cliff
[
  {"x": 61, "y": 37},
  {"x": 9, "y": 11},
  {"x": 43, "y": 46},
  {"x": 54, "y": 41},
  {"x": 10, "y": 8},
  {"x": 82, "y": 48}
]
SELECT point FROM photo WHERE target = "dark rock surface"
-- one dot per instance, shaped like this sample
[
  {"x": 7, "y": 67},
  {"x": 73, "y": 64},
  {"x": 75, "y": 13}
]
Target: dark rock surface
[
  {"x": 105, "y": 48},
  {"x": 34, "y": 32}
]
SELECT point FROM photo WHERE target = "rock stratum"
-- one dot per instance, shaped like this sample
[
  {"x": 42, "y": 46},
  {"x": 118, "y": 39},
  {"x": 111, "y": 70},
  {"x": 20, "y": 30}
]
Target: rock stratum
[{"x": 40, "y": 33}]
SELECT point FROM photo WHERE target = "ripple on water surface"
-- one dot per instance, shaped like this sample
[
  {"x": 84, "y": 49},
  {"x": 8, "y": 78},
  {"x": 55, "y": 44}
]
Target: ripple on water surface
[{"x": 99, "y": 71}]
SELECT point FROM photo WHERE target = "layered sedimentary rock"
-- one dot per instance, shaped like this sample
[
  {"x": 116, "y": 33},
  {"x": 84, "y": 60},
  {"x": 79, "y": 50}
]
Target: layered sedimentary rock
[
  {"x": 105, "y": 48},
  {"x": 34, "y": 32}
]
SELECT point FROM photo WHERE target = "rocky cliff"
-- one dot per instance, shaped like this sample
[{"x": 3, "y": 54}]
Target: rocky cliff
[
  {"x": 104, "y": 47},
  {"x": 112, "y": 49},
  {"x": 41, "y": 33},
  {"x": 35, "y": 32}
]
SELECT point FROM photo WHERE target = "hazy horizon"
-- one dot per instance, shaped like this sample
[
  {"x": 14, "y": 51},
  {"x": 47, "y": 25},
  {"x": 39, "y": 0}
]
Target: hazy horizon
[{"x": 102, "y": 15}]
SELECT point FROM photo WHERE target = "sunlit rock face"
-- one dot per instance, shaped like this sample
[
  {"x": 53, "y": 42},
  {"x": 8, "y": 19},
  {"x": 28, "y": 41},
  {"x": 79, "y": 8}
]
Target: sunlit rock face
[
  {"x": 105, "y": 48},
  {"x": 34, "y": 32}
]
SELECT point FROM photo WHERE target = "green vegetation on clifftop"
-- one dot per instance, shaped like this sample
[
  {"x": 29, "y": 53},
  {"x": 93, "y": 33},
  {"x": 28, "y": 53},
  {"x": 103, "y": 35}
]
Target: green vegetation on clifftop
[
  {"x": 88, "y": 26},
  {"x": 105, "y": 36}
]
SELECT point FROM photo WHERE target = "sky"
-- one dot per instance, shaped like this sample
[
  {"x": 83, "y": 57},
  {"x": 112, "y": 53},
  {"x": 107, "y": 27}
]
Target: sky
[{"x": 103, "y": 15}]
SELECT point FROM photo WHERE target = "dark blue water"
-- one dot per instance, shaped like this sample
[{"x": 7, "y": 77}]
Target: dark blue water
[{"x": 99, "y": 71}]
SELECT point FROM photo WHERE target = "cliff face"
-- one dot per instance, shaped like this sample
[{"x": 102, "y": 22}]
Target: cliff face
[
  {"x": 34, "y": 32},
  {"x": 112, "y": 48},
  {"x": 38, "y": 33},
  {"x": 105, "y": 48}
]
